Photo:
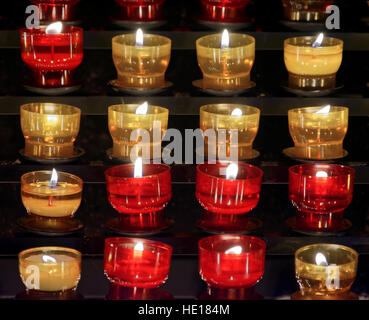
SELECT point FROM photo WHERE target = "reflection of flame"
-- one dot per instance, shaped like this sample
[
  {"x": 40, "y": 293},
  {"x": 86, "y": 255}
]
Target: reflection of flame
[
  {"x": 54, "y": 28},
  {"x": 139, "y": 246},
  {"x": 142, "y": 109},
  {"x": 236, "y": 112},
  {"x": 320, "y": 259},
  {"x": 224, "y": 44},
  {"x": 321, "y": 174},
  {"x": 232, "y": 171},
  {"x": 138, "y": 168},
  {"x": 318, "y": 41},
  {"x": 53, "y": 179},
  {"x": 139, "y": 37},
  {"x": 324, "y": 110},
  {"x": 52, "y": 118},
  {"x": 234, "y": 250},
  {"x": 46, "y": 259}
]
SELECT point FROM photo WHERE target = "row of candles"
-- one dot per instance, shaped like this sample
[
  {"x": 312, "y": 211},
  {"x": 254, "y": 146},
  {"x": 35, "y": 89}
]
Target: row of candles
[
  {"x": 226, "y": 262},
  {"x": 141, "y": 60},
  {"x": 221, "y": 11}
]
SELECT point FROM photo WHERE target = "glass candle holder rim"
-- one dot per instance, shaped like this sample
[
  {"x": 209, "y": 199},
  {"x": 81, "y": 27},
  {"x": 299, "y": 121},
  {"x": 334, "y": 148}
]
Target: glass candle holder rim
[
  {"x": 204, "y": 243},
  {"x": 49, "y": 172},
  {"x": 309, "y": 110},
  {"x": 259, "y": 172},
  {"x": 166, "y": 168},
  {"x": 254, "y": 110},
  {"x": 235, "y": 3},
  {"x": 327, "y": 245},
  {"x": 74, "y": 110},
  {"x": 219, "y": 35},
  {"x": 293, "y": 42},
  {"x": 67, "y": 30},
  {"x": 347, "y": 170},
  {"x": 166, "y": 42},
  {"x": 55, "y": 1},
  {"x": 117, "y": 241},
  {"x": 134, "y": 106},
  {"x": 46, "y": 249}
]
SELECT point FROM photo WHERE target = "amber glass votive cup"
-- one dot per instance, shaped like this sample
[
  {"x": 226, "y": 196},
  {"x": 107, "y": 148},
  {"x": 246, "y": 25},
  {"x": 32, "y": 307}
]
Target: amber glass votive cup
[
  {"x": 305, "y": 10},
  {"x": 325, "y": 269},
  {"x": 316, "y": 135}
]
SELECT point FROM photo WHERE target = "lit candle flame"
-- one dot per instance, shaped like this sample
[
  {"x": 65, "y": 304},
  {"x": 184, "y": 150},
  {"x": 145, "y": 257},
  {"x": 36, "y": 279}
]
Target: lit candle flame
[
  {"x": 232, "y": 171},
  {"x": 54, "y": 28},
  {"x": 321, "y": 174},
  {"x": 139, "y": 37},
  {"x": 321, "y": 260},
  {"x": 138, "y": 168},
  {"x": 46, "y": 259},
  {"x": 224, "y": 44},
  {"x": 139, "y": 246},
  {"x": 236, "y": 112},
  {"x": 324, "y": 110},
  {"x": 54, "y": 179},
  {"x": 234, "y": 250},
  {"x": 318, "y": 41},
  {"x": 142, "y": 109}
]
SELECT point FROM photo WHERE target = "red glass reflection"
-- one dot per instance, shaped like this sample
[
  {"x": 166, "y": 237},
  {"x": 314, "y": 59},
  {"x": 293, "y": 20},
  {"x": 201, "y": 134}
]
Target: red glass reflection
[
  {"x": 117, "y": 292},
  {"x": 56, "y": 10},
  {"x": 141, "y": 10},
  {"x": 231, "y": 261},
  {"x": 224, "y": 10}
]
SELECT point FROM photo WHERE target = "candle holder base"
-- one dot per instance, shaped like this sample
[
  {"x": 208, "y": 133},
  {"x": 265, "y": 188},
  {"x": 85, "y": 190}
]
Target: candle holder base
[
  {"x": 290, "y": 153},
  {"x": 52, "y": 91},
  {"x": 46, "y": 295},
  {"x": 134, "y": 25},
  {"x": 112, "y": 158},
  {"x": 117, "y": 292},
  {"x": 303, "y": 26},
  {"x": 312, "y": 93},
  {"x": 77, "y": 154},
  {"x": 222, "y": 93},
  {"x": 348, "y": 295},
  {"x": 340, "y": 229},
  {"x": 230, "y": 294},
  {"x": 217, "y": 25},
  {"x": 145, "y": 224},
  {"x": 50, "y": 226},
  {"x": 228, "y": 223},
  {"x": 116, "y": 87}
]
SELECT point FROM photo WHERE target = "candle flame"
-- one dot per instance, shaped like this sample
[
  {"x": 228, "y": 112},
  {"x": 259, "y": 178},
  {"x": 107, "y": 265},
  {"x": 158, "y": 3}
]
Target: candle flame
[
  {"x": 139, "y": 246},
  {"x": 321, "y": 174},
  {"x": 324, "y": 110},
  {"x": 224, "y": 44},
  {"x": 139, "y": 37},
  {"x": 234, "y": 250},
  {"x": 321, "y": 260},
  {"x": 138, "y": 168},
  {"x": 232, "y": 171},
  {"x": 142, "y": 109},
  {"x": 53, "y": 179},
  {"x": 318, "y": 41},
  {"x": 54, "y": 28},
  {"x": 46, "y": 259},
  {"x": 236, "y": 112}
]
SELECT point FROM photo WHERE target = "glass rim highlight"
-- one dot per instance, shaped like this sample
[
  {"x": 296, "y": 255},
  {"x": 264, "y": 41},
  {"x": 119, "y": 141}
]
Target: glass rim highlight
[
  {"x": 252, "y": 111},
  {"x": 306, "y": 166},
  {"x": 109, "y": 172},
  {"x": 46, "y": 172},
  {"x": 118, "y": 241},
  {"x": 307, "y": 41},
  {"x": 64, "y": 110},
  {"x": 250, "y": 40},
  {"x": 131, "y": 40},
  {"x": 130, "y": 109},
  {"x": 46, "y": 249}
]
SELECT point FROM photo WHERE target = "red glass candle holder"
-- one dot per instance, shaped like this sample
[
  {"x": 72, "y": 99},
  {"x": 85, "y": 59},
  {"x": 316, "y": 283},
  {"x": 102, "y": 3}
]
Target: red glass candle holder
[
  {"x": 141, "y": 10},
  {"x": 320, "y": 193},
  {"x": 231, "y": 261},
  {"x": 52, "y": 57},
  {"x": 138, "y": 263},
  {"x": 56, "y": 10},
  {"x": 140, "y": 200},
  {"x": 227, "y": 11}
]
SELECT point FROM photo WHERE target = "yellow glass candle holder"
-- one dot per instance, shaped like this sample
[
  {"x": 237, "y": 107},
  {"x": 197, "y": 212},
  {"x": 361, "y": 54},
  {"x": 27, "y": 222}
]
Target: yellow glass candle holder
[
  {"x": 218, "y": 117},
  {"x": 325, "y": 269},
  {"x": 226, "y": 68},
  {"x": 49, "y": 129},
  {"x": 43, "y": 198},
  {"x": 123, "y": 120},
  {"x": 50, "y": 269},
  {"x": 318, "y": 132},
  {"x": 312, "y": 67},
  {"x": 305, "y": 10},
  {"x": 141, "y": 66}
]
